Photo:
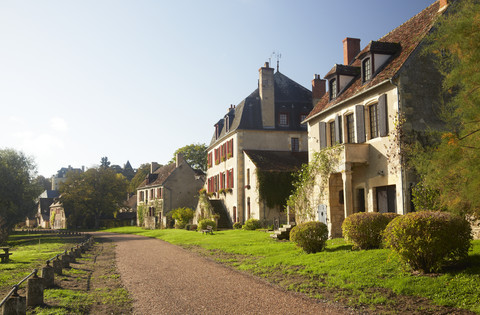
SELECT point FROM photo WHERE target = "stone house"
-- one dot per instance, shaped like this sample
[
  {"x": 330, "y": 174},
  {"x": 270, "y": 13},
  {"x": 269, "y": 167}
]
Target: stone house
[
  {"x": 167, "y": 188},
  {"x": 269, "y": 119},
  {"x": 42, "y": 215},
  {"x": 58, "y": 220},
  {"x": 387, "y": 86}
]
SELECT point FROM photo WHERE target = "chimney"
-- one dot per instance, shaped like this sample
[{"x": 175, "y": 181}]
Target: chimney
[
  {"x": 318, "y": 88},
  {"x": 267, "y": 96},
  {"x": 351, "y": 48},
  {"x": 443, "y": 5},
  {"x": 153, "y": 166},
  {"x": 179, "y": 159}
]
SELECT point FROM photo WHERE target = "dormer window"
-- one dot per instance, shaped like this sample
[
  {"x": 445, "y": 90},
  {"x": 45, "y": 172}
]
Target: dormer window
[
  {"x": 283, "y": 119},
  {"x": 227, "y": 124},
  {"x": 333, "y": 88},
  {"x": 366, "y": 69},
  {"x": 217, "y": 131}
]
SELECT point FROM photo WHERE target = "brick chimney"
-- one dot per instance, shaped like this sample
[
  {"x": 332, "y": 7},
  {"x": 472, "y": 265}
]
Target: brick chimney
[
  {"x": 318, "y": 88},
  {"x": 153, "y": 166},
  {"x": 267, "y": 96},
  {"x": 179, "y": 159},
  {"x": 351, "y": 47}
]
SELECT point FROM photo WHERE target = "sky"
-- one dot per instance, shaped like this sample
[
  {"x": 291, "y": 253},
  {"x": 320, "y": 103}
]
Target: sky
[{"x": 137, "y": 79}]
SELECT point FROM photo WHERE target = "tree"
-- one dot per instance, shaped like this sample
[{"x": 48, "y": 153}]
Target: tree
[
  {"x": 139, "y": 177},
  {"x": 449, "y": 165},
  {"x": 44, "y": 183},
  {"x": 17, "y": 189},
  {"x": 194, "y": 154},
  {"x": 93, "y": 195},
  {"x": 104, "y": 162}
]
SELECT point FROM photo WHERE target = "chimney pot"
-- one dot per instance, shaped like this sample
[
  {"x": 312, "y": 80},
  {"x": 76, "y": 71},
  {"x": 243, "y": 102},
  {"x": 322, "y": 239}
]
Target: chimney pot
[{"x": 351, "y": 48}]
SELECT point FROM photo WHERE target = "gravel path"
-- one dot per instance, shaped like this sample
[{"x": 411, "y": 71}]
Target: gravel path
[{"x": 166, "y": 279}]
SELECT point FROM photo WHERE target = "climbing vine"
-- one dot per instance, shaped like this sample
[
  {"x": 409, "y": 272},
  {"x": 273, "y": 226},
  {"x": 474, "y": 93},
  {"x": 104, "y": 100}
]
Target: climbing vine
[
  {"x": 141, "y": 209},
  {"x": 316, "y": 173},
  {"x": 396, "y": 149},
  {"x": 206, "y": 209},
  {"x": 274, "y": 187}
]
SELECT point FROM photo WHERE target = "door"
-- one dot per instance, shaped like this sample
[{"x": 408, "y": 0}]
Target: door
[{"x": 386, "y": 199}]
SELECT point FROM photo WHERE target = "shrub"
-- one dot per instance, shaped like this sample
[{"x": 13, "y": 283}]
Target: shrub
[
  {"x": 237, "y": 225},
  {"x": 202, "y": 224},
  {"x": 310, "y": 236},
  {"x": 427, "y": 240},
  {"x": 364, "y": 229},
  {"x": 182, "y": 216},
  {"x": 193, "y": 227},
  {"x": 252, "y": 224}
]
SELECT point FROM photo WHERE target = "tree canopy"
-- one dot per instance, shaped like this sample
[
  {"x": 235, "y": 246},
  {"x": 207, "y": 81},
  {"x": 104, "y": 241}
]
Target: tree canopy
[
  {"x": 18, "y": 190},
  {"x": 450, "y": 166},
  {"x": 142, "y": 172},
  {"x": 93, "y": 195},
  {"x": 195, "y": 155}
]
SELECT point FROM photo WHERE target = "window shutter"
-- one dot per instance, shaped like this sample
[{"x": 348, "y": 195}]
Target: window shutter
[
  {"x": 338, "y": 129},
  {"x": 360, "y": 123},
  {"x": 382, "y": 116},
  {"x": 323, "y": 134}
]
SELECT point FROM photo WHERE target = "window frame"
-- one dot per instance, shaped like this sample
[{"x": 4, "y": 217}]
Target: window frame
[
  {"x": 287, "y": 119},
  {"x": 333, "y": 88},
  {"x": 350, "y": 127},
  {"x": 295, "y": 144},
  {"x": 373, "y": 121},
  {"x": 368, "y": 60}
]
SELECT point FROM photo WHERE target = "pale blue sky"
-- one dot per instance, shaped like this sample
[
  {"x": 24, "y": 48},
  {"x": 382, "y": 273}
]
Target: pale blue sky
[{"x": 135, "y": 80}]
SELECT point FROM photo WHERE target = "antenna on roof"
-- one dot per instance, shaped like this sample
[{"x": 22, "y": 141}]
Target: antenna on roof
[{"x": 277, "y": 55}]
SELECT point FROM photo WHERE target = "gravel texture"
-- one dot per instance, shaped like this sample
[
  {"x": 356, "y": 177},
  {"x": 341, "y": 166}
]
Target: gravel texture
[{"x": 166, "y": 279}]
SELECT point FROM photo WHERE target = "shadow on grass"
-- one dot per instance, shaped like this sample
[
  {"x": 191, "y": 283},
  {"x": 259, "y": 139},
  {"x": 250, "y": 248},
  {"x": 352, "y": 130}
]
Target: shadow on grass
[
  {"x": 338, "y": 248},
  {"x": 469, "y": 266}
]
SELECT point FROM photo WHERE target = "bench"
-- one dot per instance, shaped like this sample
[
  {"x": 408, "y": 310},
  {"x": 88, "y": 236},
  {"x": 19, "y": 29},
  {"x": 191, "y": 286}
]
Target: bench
[
  {"x": 5, "y": 257},
  {"x": 209, "y": 229}
]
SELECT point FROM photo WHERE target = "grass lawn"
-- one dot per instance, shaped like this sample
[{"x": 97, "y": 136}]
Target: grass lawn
[
  {"x": 30, "y": 251},
  {"x": 354, "y": 277}
]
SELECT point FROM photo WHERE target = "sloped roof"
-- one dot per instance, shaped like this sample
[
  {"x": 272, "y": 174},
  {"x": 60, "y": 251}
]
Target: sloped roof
[
  {"x": 277, "y": 161},
  {"x": 408, "y": 36},
  {"x": 49, "y": 194},
  {"x": 290, "y": 97},
  {"x": 159, "y": 176}
]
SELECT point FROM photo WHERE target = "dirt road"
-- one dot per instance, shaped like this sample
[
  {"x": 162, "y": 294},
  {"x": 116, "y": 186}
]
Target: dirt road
[{"x": 166, "y": 279}]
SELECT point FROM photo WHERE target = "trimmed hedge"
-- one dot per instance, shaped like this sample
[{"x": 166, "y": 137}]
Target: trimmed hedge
[
  {"x": 427, "y": 240},
  {"x": 237, "y": 225},
  {"x": 364, "y": 229},
  {"x": 202, "y": 224},
  {"x": 310, "y": 236},
  {"x": 252, "y": 224}
]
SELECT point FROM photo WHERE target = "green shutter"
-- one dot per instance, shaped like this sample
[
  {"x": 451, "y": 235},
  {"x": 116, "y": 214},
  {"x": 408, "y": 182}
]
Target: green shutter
[
  {"x": 360, "y": 123},
  {"x": 323, "y": 134}
]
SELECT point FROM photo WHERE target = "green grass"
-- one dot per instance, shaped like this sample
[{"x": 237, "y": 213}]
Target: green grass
[
  {"x": 30, "y": 251},
  {"x": 338, "y": 267}
]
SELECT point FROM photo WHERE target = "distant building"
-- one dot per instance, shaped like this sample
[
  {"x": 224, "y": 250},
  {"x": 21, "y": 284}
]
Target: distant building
[
  {"x": 61, "y": 176},
  {"x": 58, "y": 219}
]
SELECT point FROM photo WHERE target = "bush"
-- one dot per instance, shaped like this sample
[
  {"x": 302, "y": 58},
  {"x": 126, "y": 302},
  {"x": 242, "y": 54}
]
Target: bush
[
  {"x": 364, "y": 229},
  {"x": 237, "y": 225},
  {"x": 427, "y": 240},
  {"x": 252, "y": 224},
  {"x": 202, "y": 224},
  {"x": 182, "y": 216},
  {"x": 310, "y": 236}
]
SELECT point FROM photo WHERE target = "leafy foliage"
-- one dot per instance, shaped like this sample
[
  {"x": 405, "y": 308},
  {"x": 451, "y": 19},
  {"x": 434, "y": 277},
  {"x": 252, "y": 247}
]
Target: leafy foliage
[
  {"x": 195, "y": 155},
  {"x": 182, "y": 216},
  {"x": 365, "y": 229},
  {"x": 275, "y": 187},
  {"x": 450, "y": 164},
  {"x": 317, "y": 172},
  {"x": 139, "y": 177},
  {"x": 94, "y": 194},
  {"x": 427, "y": 240},
  {"x": 202, "y": 224},
  {"x": 237, "y": 225},
  {"x": 18, "y": 189},
  {"x": 310, "y": 236},
  {"x": 252, "y": 224}
]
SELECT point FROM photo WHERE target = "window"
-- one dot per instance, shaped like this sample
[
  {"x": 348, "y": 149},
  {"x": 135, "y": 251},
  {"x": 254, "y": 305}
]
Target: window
[
  {"x": 295, "y": 144},
  {"x": 373, "y": 115},
  {"x": 367, "y": 69},
  {"x": 331, "y": 128},
  {"x": 217, "y": 131},
  {"x": 283, "y": 119},
  {"x": 248, "y": 176},
  {"x": 333, "y": 88},
  {"x": 229, "y": 148},
  {"x": 350, "y": 129},
  {"x": 230, "y": 178},
  {"x": 227, "y": 124}
]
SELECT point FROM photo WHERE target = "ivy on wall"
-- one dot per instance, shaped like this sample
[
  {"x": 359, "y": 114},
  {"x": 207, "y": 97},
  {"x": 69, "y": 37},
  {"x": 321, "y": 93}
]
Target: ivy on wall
[{"x": 274, "y": 187}]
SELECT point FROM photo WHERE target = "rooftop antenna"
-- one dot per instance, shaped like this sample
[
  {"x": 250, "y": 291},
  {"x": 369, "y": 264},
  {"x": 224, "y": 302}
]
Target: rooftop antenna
[{"x": 277, "y": 56}]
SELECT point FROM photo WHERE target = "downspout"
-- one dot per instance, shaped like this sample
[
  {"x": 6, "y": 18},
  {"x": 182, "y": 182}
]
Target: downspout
[{"x": 403, "y": 175}]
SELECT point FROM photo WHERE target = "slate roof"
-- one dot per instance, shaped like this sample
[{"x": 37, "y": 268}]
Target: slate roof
[
  {"x": 408, "y": 36},
  {"x": 290, "y": 97},
  {"x": 49, "y": 194},
  {"x": 158, "y": 177},
  {"x": 277, "y": 161}
]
